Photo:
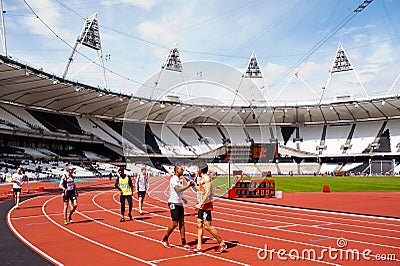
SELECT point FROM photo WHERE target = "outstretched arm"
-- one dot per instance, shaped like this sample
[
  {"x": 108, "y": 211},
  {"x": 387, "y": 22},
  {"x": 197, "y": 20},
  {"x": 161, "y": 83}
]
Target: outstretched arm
[{"x": 180, "y": 189}]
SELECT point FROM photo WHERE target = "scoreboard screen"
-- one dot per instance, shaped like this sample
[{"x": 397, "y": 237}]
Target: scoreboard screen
[
  {"x": 258, "y": 151},
  {"x": 263, "y": 151},
  {"x": 254, "y": 188}
]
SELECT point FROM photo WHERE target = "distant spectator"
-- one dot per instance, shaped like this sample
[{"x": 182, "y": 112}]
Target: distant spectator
[{"x": 17, "y": 180}]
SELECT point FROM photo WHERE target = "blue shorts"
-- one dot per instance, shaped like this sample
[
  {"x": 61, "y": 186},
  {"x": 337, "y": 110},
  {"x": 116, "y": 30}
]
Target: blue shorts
[{"x": 69, "y": 195}]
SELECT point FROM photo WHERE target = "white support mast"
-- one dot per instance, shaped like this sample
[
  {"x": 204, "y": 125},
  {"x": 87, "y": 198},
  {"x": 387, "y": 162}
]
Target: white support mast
[
  {"x": 3, "y": 29},
  {"x": 341, "y": 63},
  {"x": 90, "y": 37},
  {"x": 172, "y": 63},
  {"x": 252, "y": 71}
]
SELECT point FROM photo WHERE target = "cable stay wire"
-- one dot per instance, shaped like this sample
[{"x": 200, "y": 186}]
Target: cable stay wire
[
  {"x": 322, "y": 41},
  {"x": 267, "y": 28},
  {"x": 83, "y": 55}
]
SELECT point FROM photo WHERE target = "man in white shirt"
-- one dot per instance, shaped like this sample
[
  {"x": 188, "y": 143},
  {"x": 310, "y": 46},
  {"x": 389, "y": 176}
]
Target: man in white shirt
[
  {"x": 176, "y": 207},
  {"x": 142, "y": 184},
  {"x": 17, "y": 180}
]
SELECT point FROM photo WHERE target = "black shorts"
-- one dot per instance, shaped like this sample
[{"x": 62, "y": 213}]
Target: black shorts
[
  {"x": 141, "y": 194},
  {"x": 69, "y": 195},
  {"x": 204, "y": 215},
  {"x": 17, "y": 189},
  {"x": 177, "y": 211}
]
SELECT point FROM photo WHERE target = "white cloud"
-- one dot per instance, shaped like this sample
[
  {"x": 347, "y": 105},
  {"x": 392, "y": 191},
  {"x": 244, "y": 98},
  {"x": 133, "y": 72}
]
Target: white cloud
[
  {"x": 50, "y": 14},
  {"x": 273, "y": 71},
  {"x": 145, "y": 4},
  {"x": 354, "y": 29},
  {"x": 150, "y": 30}
]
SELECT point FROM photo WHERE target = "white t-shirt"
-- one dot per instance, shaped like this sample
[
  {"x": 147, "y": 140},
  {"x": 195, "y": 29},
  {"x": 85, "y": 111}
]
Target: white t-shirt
[
  {"x": 18, "y": 180},
  {"x": 175, "y": 197},
  {"x": 141, "y": 182},
  {"x": 70, "y": 182}
]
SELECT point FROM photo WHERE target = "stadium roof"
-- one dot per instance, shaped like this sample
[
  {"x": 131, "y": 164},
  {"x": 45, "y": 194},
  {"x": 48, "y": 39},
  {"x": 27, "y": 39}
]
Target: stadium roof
[{"x": 33, "y": 88}]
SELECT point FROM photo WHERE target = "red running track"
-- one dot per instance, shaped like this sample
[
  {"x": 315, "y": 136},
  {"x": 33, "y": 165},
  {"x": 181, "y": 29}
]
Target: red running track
[{"x": 256, "y": 234}]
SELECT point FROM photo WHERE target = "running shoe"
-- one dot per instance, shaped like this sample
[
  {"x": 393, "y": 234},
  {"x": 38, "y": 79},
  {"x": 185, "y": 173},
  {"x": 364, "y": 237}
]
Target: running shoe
[
  {"x": 141, "y": 212},
  {"x": 221, "y": 249},
  {"x": 130, "y": 217},
  {"x": 166, "y": 244},
  {"x": 70, "y": 219},
  {"x": 186, "y": 246},
  {"x": 196, "y": 250},
  {"x": 65, "y": 222},
  {"x": 122, "y": 220}
]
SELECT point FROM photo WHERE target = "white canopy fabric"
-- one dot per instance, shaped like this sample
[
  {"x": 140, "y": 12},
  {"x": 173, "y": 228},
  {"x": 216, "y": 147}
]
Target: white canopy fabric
[{"x": 33, "y": 88}]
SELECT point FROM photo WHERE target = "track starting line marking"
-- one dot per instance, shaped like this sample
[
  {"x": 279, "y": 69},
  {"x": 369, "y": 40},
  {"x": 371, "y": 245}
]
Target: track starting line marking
[
  {"x": 321, "y": 239},
  {"x": 177, "y": 257},
  {"x": 38, "y": 223}
]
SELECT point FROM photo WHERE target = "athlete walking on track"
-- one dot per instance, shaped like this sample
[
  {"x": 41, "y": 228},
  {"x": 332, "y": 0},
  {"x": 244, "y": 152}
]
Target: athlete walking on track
[
  {"x": 67, "y": 184},
  {"x": 142, "y": 183},
  {"x": 17, "y": 180},
  {"x": 124, "y": 184},
  {"x": 176, "y": 207},
  {"x": 205, "y": 206}
]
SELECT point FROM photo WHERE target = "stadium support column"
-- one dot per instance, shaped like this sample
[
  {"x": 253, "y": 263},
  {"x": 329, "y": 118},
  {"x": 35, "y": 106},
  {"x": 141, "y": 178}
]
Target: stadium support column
[
  {"x": 393, "y": 165},
  {"x": 229, "y": 174},
  {"x": 3, "y": 29},
  {"x": 370, "y": 167}
]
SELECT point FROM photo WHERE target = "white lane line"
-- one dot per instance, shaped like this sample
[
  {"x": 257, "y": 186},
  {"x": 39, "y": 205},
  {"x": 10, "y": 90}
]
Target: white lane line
[
  {"x": 237, "y": 244},
  {"x": 330, "y": 218},
  {"x": 302, "y": 212},
  {"x": 316, "y": 221},
  {"x": 306, "y": 226},
  {"x": 372, "y": 217},
  {"x": 25, "y": 241},
  {"x": 303, "y": 233},
  {"x": 178, "y": 257},
  {"x": 152, "y": 224},
  {"x": 88, "y": 239}
]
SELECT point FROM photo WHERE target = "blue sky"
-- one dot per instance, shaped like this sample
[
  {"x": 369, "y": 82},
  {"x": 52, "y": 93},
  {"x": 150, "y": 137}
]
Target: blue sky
[{"x": 137, "y": 35}]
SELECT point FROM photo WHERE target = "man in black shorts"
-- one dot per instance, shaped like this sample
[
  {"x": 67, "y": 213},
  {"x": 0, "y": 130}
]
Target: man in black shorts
[
  {"x": 205, "y": 207},
  {"x": 142, "y": 183},
  {"x": 67, "y": 184},
  {"x": 176, "y": 207}
]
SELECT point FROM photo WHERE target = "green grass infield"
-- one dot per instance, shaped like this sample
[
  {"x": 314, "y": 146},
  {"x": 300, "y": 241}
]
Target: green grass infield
[{"x": 316, "y": 183}]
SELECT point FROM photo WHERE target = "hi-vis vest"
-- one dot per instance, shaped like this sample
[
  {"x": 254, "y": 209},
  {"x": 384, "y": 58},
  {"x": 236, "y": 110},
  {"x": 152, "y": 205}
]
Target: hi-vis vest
[{"x": 123, "y": 184}]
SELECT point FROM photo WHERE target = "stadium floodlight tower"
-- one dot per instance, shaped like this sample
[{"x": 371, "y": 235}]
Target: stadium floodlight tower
[
  {"x": 172, "y": 63},
  {"x": 341, "y": 63},
  {"x": 252, "y": 71},
  {"x": 90, "y": 37}
]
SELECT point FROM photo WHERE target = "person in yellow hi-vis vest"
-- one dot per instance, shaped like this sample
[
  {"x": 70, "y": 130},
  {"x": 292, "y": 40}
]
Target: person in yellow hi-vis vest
[{"x": 124, "y": 184}]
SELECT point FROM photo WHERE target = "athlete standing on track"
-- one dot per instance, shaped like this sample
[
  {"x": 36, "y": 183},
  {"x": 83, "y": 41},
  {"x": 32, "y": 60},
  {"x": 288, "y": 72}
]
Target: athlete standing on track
[
  {"x": 124, "y": 184},
  {"x": 67, "y": 184},
  {"x": 205, "y": 207},
  {"x": 176, "y": 207},
  {"x": 17, "y": 180},
  {"x": 142, "y": 183}
]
